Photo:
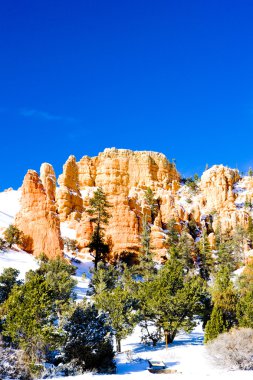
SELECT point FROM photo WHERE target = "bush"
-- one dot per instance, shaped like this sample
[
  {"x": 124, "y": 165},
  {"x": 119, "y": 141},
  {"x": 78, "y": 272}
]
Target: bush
[
  {"x": 2, "y": 244},
  {"x": 13, "y": 364},
  {"x": 233, "y": 349},
  {"x": 70, "y": 244}
]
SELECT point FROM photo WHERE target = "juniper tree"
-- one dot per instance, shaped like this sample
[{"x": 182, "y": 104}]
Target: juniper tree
[
  {"x": 118, "y": 303},
  {"x": 172, "y": 299},
  {"x": 216, "y": 325},
  {"x": 224, "y": 299},
  {"x": 13, "y": 235},
  {"x": 8, "y": 279},
  {"x": 32, "y": 313},
  {"x": 87, "y": 343},
  {"x": 245, "y": 304},
  {"x": 98, "y": 210}
]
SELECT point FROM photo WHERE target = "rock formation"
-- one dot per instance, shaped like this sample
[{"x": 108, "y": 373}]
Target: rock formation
[
  {"x": 124, "y": 176},
  {"x": 37, "y": 217},
  {"x": 69, "y": 199},
  {"x": 219, "y": 199}
]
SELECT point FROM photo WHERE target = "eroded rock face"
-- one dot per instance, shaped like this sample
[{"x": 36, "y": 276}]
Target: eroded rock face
[
  {"x": 125, "y": 176},
  {"x": 37, "y": 217},
  {"x": 216, "y": 187},
  {"x": 69, "y": 199},
  {"x": 48, "y": 179}
]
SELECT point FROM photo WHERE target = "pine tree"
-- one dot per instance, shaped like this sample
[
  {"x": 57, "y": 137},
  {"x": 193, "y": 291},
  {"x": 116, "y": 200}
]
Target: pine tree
[
  {"x": 173, "y": 233},
  {"x": 146, "y": 267},
  {"x": 186, "y": 250},
  {"x": 226, "y": 257},
  {"x": 152, "y": 203},
  {"x": 98, "y": 210},
  {"x": 205, "y": 260}
]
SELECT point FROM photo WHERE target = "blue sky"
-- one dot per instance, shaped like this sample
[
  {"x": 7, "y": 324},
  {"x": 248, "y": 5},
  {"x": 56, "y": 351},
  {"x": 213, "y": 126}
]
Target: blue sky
[{"x": 169, "y": 76}]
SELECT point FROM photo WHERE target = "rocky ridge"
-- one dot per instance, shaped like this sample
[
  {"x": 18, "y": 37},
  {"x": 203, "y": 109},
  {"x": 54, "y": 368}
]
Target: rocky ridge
[{"x": 124, "y": 175}]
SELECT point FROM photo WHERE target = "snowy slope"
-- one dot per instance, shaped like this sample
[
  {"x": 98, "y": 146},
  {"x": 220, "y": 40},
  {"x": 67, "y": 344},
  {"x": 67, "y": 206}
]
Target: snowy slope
[
  {"x": 9, "y": 206},
  {"x": 19, "y": 260}
]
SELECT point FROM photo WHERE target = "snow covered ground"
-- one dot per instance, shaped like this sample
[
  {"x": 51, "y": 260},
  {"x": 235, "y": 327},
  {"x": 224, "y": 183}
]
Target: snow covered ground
[{"x": 187, "y": 355}]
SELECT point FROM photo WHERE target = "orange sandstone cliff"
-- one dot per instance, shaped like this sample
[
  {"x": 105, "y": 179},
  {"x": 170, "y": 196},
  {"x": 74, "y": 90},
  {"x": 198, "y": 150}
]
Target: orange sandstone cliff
[
  {"x": 37, "y": 217},
  {"x": 219, "y": 199}
]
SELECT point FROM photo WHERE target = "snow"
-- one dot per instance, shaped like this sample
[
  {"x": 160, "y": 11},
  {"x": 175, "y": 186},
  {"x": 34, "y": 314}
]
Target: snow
[
  {"x": 187, "y": 355},
  {"x": 19, "y": 260},
  {"x": 67, "y": 232},
  {"x": 82, "y": 276},
  {"x": 9, "y": 206}
]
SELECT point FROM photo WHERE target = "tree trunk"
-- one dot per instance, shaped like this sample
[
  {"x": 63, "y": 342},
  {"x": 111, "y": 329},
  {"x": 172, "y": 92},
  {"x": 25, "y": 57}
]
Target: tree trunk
[
  {"x": 96, "y": 260},
  {"x": 171, "y": 336},
  {"x": 118, "y": 345}
]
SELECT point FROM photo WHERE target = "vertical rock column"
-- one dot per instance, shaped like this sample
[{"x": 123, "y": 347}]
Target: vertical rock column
[{"x": 37, "y": 217}]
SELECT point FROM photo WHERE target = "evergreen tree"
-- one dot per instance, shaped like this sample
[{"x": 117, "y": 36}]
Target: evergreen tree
[
  {"x": 250, "y": 231},
  {"x": 216, "y": 325},
  {"x": 7, "y": 281},
  {"x": 146, "y": 267},
  {"x": 13, "y": 235},
  {"x": 2, "y": 244},
  {"x": 171, "y": 300},
  {"x": 244, "y": 311},
  {"x": 186, "y": 250},
  {"x": 173, "y": 233},
  {"x": 118, "y": 303},
  {"x": 70, "y": 244},
  {"x": 32, "y": 313},
  {"x": 205, "y": 260},
  {"x": 105, "y": 278},
  {"x": 58, "y": 278},
  {"x": 245, "y": 304},
  {"x": 152, "y": 203},
  {"x": 87, "y": 343},
  {"x": 224, "y": 298},
  {"x": 250, "y": 172},
  {"x": 98, "y": 209},
  {"x": 226, "y": 257}
]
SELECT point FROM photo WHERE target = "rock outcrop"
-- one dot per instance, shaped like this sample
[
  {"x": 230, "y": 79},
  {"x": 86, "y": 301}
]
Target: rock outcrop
[
  {"x": 69, "y": 199},
  {"x": 37, "y": 217},
  {"x": 219, "y": 199},
  {"x": 216, "y": 187},
  {"x": 124, "y": 176}
]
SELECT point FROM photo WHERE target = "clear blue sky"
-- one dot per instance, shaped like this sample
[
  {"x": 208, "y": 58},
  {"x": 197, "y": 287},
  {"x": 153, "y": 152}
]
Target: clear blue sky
[{"x": 174, "y": 76}]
